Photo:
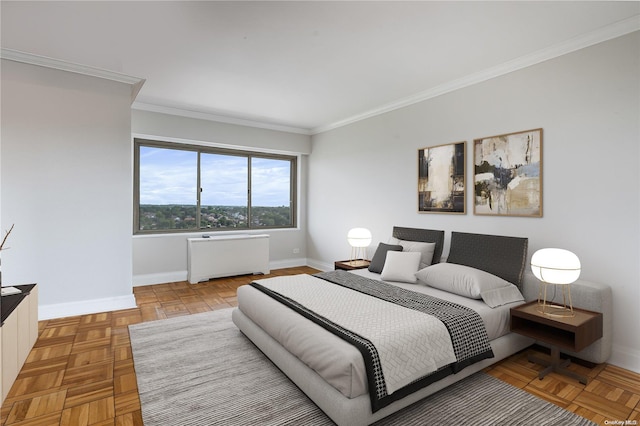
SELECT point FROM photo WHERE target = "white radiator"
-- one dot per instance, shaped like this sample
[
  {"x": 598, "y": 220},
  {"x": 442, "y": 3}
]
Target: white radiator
[{"x": 227, "y": 255}]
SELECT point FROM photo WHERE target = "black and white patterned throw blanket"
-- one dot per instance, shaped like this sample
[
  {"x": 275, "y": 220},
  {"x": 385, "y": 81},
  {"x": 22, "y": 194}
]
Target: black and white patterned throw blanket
[{"x": 456, "y": 336}]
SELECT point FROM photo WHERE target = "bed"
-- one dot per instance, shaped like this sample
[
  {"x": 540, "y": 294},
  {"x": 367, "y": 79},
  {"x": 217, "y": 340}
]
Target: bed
[{"x": 334, "y": 373}]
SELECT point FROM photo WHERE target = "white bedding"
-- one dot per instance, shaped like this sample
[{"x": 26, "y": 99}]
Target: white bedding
[
  {"x": 337, "y": 361},
  {"x": 390, "y": 327},
  {"x": 496, "y": 320}
]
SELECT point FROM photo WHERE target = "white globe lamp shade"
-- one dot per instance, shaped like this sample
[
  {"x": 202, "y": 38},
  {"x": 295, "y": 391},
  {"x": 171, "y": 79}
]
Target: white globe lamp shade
[
  {"x": 555, "y": 266},
  {"x": 359, "y": 237}
]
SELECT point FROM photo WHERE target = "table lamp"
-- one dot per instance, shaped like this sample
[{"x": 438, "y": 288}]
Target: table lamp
[
  {"x": 557, "y": 267},
  {"x": 359, "y": 239}
]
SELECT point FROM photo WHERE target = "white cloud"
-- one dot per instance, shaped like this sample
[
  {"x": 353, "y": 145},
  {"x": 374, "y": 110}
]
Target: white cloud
[{"x": 168, "y": 176}]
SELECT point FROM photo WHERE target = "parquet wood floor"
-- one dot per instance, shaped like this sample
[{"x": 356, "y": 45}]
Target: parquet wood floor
[{"x": 81, "y": 372}]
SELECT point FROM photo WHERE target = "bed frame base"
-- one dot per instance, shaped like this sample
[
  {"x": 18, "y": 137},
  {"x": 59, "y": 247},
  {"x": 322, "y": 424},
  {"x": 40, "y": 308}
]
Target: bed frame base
[{"x": 357, "y": 411}]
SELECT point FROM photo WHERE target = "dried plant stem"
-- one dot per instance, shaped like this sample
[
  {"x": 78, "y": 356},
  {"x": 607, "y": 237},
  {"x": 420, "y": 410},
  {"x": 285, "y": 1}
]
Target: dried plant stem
[{"x": 6, "y": 235}]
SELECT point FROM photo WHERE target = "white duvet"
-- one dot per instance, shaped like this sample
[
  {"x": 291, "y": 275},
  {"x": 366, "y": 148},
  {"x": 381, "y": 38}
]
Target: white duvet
[
  {"x": 410, "y": 344},
  {"x": 335, "y": 360}
]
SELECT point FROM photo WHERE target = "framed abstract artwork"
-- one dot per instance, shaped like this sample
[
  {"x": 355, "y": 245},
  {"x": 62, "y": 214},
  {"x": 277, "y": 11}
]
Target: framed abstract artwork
[
  {"x": 441, "y": 179},
  {"x": 508, "y": 174}
]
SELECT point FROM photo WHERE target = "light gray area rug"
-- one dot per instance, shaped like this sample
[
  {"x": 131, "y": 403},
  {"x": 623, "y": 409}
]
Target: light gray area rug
[{"x": 201, "y": 370}]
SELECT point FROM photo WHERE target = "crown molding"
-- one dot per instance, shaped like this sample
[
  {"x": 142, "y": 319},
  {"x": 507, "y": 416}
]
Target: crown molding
[
  {"x": 163, "y": 109},
  {"x": 600, "y": 35},
  {"x": 603, "y": 34},
  {"x": 44, "y": 61}
]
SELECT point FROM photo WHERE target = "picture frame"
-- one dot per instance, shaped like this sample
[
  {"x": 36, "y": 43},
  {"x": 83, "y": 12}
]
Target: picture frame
[
  {"x": 442, "y": 178},
  {"x": 508, "y": 174}
]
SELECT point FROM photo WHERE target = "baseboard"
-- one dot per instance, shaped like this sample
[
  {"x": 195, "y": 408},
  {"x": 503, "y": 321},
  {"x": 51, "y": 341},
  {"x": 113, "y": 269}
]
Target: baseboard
[
  {"x": 624, "y": 357},
  {"x": 323, "y": 266},
  {"x": 175, "y": 276},
  {"x": 159, "y": 278},
  {"x": 287, "y": 263},
  {"x": 61, "y": 310}
]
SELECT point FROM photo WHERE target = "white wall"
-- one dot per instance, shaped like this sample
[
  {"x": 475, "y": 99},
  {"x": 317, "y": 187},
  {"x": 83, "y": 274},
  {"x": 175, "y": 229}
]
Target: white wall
[
  {"x": 587, "y": 103},
  {"x": 66, "y": 185},
  {"x": 163, "y": 258}
]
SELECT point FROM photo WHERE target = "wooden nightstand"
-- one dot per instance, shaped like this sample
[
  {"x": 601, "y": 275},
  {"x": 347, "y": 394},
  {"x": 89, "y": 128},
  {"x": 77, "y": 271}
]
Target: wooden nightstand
[
  {"x": 349, "y": 265},
  {"x": 571, "y": 333}
]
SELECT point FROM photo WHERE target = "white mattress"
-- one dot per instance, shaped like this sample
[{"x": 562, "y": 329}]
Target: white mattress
[{"x": 337, "y": 361}]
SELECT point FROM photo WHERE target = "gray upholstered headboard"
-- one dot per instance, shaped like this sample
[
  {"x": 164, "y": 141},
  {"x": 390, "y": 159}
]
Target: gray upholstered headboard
[
  {"x": 504, "y": 257},
  {"x": 422, "y": 235}
]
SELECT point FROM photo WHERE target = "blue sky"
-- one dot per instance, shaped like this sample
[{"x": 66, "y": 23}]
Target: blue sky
[{"x": 168, "y": 176}]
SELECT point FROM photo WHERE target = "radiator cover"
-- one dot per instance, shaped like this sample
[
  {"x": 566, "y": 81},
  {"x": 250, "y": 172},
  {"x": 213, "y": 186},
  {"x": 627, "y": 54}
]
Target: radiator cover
[{"x": 227, "y": 255}]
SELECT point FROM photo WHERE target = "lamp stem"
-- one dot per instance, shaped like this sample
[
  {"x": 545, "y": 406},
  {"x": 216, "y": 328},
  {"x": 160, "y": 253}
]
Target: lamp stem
[
  {"x": 547, "y": 308},
  {"x": 570, "y": 302}
]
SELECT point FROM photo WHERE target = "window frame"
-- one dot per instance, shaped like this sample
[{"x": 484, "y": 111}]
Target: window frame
[{"x": 139, "y": 142}]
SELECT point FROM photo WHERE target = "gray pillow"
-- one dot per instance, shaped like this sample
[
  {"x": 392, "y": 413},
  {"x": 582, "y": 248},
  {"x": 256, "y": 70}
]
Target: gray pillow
[{"x": 377, "y": 262}]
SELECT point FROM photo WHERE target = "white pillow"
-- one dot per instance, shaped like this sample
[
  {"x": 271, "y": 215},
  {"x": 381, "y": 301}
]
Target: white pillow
[
  {"x": 459, "y": 279},
  {"x": 425, "y": 249},
  {"x": 401, "y": 266}
]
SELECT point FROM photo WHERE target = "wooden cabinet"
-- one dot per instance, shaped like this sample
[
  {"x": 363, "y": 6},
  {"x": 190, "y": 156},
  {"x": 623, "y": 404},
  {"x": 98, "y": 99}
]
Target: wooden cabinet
[
  {"x": 33, "y": 317},
  {"x": 1, "y": 386},
  {"x": 10, "y": 367},
  {"x": 18, "y": 333},
  {"x": 571, "y": 333}
]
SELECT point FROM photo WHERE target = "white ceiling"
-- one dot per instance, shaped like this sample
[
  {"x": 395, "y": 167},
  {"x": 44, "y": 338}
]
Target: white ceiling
[{"x": 306, "y": 66}]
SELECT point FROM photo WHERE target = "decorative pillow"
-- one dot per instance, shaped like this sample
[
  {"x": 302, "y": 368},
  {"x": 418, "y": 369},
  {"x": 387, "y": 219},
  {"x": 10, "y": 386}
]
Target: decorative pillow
[
  {"x": 502, "y": 296},
  {"x": 401, "y": 266},
  {"x": 426, "y": 249},
  {"x": 459, "y": 279},
  {"x": 377, "y": 262}
]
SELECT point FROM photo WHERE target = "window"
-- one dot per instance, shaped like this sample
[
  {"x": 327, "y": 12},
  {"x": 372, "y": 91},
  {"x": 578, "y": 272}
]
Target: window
[{"x": 182, "y": 188}]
